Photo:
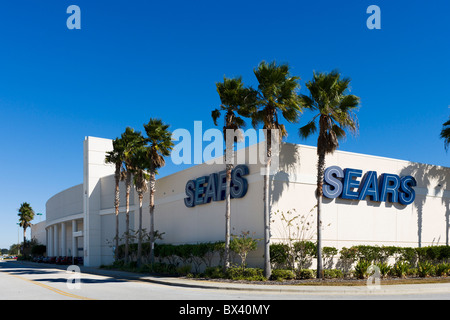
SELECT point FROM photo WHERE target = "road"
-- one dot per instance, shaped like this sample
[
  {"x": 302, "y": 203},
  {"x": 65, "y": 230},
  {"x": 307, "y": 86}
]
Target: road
[{"x": 43, "y": 282}]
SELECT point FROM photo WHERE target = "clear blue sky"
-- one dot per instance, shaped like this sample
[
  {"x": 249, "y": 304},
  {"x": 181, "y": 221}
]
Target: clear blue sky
[{"x": 133, "y": 60}]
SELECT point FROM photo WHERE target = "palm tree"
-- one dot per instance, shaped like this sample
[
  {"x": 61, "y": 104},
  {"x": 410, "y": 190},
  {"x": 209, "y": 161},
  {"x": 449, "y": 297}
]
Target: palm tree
[
  {"x": 139, "y": 162},
  {"x": 276, "y": 98},
  {"x": 234, "y": 98},
  {"x": 26, "y": 214},
  {"x": 158, "y": 145},
  {"x": 335, "y": 114},
  {"x": 445, "y": 134},
  {"x": 131, "y": 141},
  {"x": 116, "y": 157}
]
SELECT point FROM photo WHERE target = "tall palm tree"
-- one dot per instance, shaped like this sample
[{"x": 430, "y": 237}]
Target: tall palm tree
[
  {"x": 116, "y": 157},
  {"x": 131, "y": 141},
  {"x": 335, "y": 114},
  {"x": 139, "y": 162},
  {"x": 276, "y": 98},
  {"x": 159, "y": 145},
  {"x": 235, "y": 99},
  {"x": 26, "y": 215},
  {"x": 445, "y": 134}
]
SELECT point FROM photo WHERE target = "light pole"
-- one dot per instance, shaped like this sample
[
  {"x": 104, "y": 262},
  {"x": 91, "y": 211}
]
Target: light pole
[{"x": 40, "y": 215}]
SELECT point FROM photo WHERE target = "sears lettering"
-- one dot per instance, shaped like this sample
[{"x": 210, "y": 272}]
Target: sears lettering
[
  {"x": 388, "y": 187},
  {"x": 212, "y": 188}
]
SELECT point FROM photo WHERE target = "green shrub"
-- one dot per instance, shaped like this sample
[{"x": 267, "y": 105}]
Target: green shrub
[
  {"x": 282, "y": 274},
  {"x": 304, "y": 252},
  {"x": 361, "y": 269},
  {"x": 442, "y": 269},
  {"x": 400, "y": 269},
  {"x": 333, "y": 274},
  {"x": 279, "y": 253},
  {"x": 384, "y": 268},
  {"x": 215, "y": 272},
  {"x": 250, "y": 274},
  {"x": 305, "y": 274},
  {"x": 425, "y": 269}
]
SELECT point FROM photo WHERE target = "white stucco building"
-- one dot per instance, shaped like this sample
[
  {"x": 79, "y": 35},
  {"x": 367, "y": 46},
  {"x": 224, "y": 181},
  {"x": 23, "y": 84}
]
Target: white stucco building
[{"x": 80, "y": 220}]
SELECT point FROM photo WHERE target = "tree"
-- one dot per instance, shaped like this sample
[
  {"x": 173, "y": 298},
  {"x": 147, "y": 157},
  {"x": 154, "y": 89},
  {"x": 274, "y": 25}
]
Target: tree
[
  {"x": 139, "y": 162},
  {"x": 335, "y": 114},
  {"x": 158, "y": 145},
  {"x": 234, "y": 98},
  {"x": 276, "y": 97},
  {"x": 445, "y": 134},
  {"x": 26, "y": 215},
  {"x": 116, "y": 157},
  {"x": 131, "y": 141}
]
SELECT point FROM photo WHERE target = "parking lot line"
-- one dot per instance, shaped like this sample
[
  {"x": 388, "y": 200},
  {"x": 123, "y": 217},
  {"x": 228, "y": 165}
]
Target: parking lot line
[{"x": 63, "y": 293}]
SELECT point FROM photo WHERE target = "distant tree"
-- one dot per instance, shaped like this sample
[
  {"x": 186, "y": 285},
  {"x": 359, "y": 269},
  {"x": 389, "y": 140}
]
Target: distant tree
[{"x": 26, "y": 215}]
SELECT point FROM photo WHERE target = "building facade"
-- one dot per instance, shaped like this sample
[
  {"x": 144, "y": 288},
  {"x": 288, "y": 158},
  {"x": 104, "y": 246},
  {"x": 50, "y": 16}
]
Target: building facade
[{"x": 371, "y": 201}]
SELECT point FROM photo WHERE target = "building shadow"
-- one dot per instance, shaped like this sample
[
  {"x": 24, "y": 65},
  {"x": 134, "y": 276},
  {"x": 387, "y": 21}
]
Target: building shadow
[
  {"x": 431, "y": 181},
  {"x": 289, "y": 160}
]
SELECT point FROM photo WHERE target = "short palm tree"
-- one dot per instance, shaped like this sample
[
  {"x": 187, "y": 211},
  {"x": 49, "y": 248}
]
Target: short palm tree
[
  {"x": 158, "y": 145},
  {"x": 235, "y": 100},
  {"x": 445, "y": 134},
  {"x": 335, "y": 114},
  {"x": 131, "y": 141},
  {"x": 116, "y": 157},
  {"x": 276, "y": 98},
  {"x": 26, "y": 215}
]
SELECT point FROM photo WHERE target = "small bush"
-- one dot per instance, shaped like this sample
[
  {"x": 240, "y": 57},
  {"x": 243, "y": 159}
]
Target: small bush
[
  {"x": 305, "y": 274},
  {"x": 282, "y": 274},
  {"x": 250, "y": 274},
  {"x": 361, "y": 269},
  {"x": 384, "y": 269},
  {"x": 442, "y": 269},
  {"x": 333, "y": 274},
  {"x": 425, "y": 269},
  {"x": 215, "y": 272},
  {"x": 400, "y": 269}
]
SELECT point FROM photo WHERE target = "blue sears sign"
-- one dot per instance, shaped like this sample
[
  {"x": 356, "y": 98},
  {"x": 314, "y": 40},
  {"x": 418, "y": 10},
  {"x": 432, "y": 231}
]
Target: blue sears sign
[
  {"x": 204, "y": 189},
  {"x": 388, "y": 187}
]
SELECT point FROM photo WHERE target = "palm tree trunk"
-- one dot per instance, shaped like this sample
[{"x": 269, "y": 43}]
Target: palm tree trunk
[
  {"x": 152, "y": 220},
  {"x": 116, "y": 206},
  {"x": 139, "y": 253},
  {"x": 24, "y": 239},
  {"x": 320, "y": 173},
  {"x": 127, "y": 231},
  {"x": 227, "y": 216},
  {"x": 267, "y": 267}
]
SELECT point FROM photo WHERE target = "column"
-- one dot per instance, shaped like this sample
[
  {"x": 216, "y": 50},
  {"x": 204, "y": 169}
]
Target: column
[
  {"x": 55, "y": 240},
  {"x": 49, "y": 241},
  {"x": 74, "y": 239},
  {"x": 63, "y": 239}
]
